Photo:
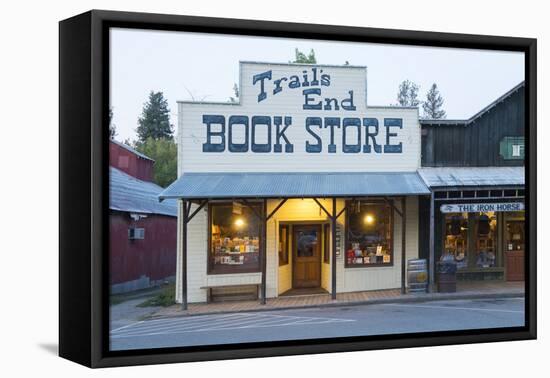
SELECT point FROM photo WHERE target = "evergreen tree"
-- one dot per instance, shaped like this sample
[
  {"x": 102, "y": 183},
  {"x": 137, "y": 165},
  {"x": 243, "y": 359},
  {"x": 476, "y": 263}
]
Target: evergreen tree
[
  {"x": 407, "y": 94},
  {"x": 112, "y": 127},
  {"x": 300, "y": 57},
  {"x": 164, "y": 152},
  {"x": 236, "y": 94},
  {"x": 433, "y": 106},
  {"x": 155, "y": 119}
]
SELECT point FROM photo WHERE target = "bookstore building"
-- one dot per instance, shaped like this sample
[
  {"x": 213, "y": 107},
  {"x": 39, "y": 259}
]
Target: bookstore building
[{"x": 301, "y": 188}]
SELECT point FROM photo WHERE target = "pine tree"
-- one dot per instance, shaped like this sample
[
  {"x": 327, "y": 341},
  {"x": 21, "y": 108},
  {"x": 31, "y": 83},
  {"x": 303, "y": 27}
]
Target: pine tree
[
  {"x": 300, "y": 57},
  {"x": 112, "y": 127},
  {"x": 155, "y": 119},
  {"x": 236, "y": 94},
  {"x": 407, "y": 94},
  {"x": 433, "y": 106}
]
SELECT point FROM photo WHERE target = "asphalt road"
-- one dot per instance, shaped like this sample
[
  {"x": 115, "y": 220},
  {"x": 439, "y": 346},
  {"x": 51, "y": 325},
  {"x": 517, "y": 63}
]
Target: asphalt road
[{"x": 319, "y": 323}]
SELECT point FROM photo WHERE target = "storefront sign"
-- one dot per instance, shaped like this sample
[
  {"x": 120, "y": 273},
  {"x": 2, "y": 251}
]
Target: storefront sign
[
  {"x": 482, "y": 207},
  {"x": 292, "y": 116},
  {"x": 310, "y": 84},
  {"x": 338, "y": 240}
]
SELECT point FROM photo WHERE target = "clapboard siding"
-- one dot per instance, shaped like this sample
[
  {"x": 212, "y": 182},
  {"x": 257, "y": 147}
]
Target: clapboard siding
[
  {"x": 289, "y": 102},
  {"x": 279, "y": 279},
  {"x": 475, "y": 143}
]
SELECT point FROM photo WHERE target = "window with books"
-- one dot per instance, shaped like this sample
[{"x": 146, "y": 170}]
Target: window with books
[
  {"x": 369, "y": 239},
  {"x": 234, "y": 238}
]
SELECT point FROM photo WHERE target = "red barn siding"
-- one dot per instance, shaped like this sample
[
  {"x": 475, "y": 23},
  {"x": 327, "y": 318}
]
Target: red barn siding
[
  {"x": 153, "y": 257},
  {"x": 130, "y": 163}
]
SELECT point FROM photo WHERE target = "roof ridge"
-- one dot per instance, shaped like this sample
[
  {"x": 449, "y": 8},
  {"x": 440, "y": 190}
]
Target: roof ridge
[{"x": 480, "y": 113}]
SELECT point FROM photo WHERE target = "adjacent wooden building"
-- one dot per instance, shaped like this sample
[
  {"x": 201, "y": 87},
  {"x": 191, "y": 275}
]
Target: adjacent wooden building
[
  {"x": 478, "y": 161},
  {"x": 143, "y": 232}
]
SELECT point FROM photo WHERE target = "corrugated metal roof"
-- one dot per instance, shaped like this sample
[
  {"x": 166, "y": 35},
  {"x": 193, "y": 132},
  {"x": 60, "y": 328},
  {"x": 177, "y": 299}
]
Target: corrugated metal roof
[
  {"x": 127, "y": 193},
  {"x": 126, "y": 147},
  {"x": 294, "y": 185},
  {"x": 473, "y": 176}
]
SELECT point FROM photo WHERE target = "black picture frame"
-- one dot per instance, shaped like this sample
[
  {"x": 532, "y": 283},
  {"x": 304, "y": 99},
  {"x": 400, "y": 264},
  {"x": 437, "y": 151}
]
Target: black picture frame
[{"x": 83, "y": 196}]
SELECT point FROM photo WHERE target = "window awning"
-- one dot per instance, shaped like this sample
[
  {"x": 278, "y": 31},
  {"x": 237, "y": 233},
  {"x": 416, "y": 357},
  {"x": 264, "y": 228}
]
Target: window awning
[
  {"x": 294, "y": 185},
  {"x": 473, "y": 176}
]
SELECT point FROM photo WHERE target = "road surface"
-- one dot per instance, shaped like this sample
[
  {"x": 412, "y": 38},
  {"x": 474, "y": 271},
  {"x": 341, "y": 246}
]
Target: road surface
[{"x": 375, "y": 319}]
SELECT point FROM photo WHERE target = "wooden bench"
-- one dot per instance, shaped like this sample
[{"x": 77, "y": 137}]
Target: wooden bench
[{"x": 223, "y": 293}]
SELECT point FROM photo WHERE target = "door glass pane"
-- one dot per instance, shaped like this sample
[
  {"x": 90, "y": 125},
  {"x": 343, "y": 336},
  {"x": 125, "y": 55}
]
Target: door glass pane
[
  {"x": 515, "y": 232},
  {"x": 306, "y": 243}
]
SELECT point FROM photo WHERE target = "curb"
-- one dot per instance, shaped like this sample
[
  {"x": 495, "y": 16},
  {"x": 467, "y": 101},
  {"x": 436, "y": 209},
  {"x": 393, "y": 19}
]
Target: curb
[{"x": 412, "y": 299}]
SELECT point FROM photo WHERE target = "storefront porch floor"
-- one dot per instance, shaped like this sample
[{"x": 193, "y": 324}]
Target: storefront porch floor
[{"x": 465, "y": 290}]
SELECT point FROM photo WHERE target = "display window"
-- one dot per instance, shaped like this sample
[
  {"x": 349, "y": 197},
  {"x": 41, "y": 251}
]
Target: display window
[
  {"x": 472, "y": 233},
  {"x": 369, "y": 236},
  {"x": 456, "y": 238},
  {"x": 234, "y": 238},
  {"x": 486, "y": 239}
]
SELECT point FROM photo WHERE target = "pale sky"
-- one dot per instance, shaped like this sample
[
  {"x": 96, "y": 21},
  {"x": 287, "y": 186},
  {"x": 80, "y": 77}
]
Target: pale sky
[{"x": 186, "y": 66}]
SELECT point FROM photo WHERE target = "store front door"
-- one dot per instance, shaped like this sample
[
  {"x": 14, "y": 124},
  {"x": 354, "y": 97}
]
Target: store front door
[
  {"x": 514, "y": 254},
  {"x": 515, "y": 262},
  {"x": 306, "y": 262}
]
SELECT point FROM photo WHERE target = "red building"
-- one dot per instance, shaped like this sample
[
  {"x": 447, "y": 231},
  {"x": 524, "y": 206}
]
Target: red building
[
  {"x": 130, "y": 161},
  {"x": 142, "y": 230}
]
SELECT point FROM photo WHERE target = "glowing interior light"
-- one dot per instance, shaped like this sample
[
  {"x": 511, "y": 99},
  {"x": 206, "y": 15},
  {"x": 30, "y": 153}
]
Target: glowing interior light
[
  {"x": 369, "y": 219},
  {"x": 239, "y": 222}
]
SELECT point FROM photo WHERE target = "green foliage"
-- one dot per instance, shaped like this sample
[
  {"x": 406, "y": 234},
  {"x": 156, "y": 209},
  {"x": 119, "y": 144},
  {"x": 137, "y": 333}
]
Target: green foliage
[
  {"x": 165, "y": 153},
  {"x": 300, "y": 57},
  {"x": 407, "y": 94},
  {"x": 433, "y": 106},
  {"x": 154, "y": 121},
  {"x": 166, "y": 298}
]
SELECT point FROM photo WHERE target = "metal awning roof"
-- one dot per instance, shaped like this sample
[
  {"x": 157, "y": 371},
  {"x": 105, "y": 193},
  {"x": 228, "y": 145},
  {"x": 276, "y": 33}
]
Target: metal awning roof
[
  {"x": 294, "y": 185},
  {"x": 128, "y": 194},
  {"x": 473, "y": 176}
]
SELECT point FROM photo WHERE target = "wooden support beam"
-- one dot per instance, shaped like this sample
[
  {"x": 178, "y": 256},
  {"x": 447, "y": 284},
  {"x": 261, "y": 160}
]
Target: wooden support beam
[
  {"x": 322, "y": 207},
  {"x": 201, "y": 205},
  {"x": 276, "y": 209},
  {"x": 393, "y": 206},
  {"x": 431, "y": 262},
  {"x": 251, "y": 207},
  {"x": 403, "y": 244},
  {"x": 184, "y": 256},
  {"x": 188, "y": 207},
  {"x": 342, "y": 211},
  {"x": 263, "y": 251},
  {"x": 333, "y": 265}
]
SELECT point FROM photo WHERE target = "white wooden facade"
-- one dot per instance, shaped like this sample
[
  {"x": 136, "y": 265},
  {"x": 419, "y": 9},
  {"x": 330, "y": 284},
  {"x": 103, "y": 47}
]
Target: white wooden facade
[{"x": 289, "y": 103}]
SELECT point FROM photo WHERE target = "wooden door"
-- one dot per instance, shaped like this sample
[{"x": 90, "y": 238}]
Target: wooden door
[
  {"x": 515, "y": 264},
  {"x": 306, "y": 263}
]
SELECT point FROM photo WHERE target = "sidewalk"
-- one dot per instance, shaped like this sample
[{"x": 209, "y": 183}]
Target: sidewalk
[{"x": 465, "y": 290}]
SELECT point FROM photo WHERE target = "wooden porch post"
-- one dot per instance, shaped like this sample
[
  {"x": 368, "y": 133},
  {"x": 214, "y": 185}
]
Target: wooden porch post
[
  {"x": 333, "y": 231},
  {"x": 263, "y": 252},
  {"x": 184, "y": 256},
  {"x": 431, "y": 274},
  {"x": 403, "y": 241}
]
